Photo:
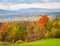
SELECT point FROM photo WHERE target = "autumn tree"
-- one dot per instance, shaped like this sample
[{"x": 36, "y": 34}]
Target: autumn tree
[
  {"x": 3, "y": 28},
  {"x": 54, "y": 28},
  {"x": 43, "y": 20}
]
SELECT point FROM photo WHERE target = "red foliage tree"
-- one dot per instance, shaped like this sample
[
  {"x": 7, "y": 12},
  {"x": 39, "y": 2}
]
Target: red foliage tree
[{"x": 44, "y": 19}]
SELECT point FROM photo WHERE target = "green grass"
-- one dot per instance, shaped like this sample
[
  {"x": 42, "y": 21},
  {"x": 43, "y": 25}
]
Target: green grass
[{"x": 45, "y": 42}]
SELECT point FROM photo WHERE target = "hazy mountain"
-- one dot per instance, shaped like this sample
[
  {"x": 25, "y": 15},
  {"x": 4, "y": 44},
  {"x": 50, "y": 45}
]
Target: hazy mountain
[
  {"x": 3, "y": 12},
  {"x": 29, "y": 12}
]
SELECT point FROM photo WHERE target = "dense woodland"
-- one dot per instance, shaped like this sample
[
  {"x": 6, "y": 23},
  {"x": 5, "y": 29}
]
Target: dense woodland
[{"x": 28, "y": 31}]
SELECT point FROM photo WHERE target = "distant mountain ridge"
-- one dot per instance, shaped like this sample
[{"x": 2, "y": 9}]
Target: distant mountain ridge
[{"x": 29, "y": 11}]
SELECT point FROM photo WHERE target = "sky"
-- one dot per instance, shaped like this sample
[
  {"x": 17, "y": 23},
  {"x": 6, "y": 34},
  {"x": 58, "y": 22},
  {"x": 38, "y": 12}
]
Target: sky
[{"x": 24, "y": 4}]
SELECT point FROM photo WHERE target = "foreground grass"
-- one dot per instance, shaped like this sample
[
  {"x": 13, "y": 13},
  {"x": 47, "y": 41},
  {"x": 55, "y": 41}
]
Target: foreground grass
[{"x": 45, "y": 42}]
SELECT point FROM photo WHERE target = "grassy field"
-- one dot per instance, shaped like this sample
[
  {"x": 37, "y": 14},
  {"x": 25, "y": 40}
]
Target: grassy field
[{"x": 45, "y": 42}]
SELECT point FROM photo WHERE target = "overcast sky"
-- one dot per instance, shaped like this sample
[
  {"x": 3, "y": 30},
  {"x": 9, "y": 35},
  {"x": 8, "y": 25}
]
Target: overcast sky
[{"x": 24, "y": 4}]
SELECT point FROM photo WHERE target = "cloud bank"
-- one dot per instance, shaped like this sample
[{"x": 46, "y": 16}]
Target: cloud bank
[{"x": 33, "y": 5}]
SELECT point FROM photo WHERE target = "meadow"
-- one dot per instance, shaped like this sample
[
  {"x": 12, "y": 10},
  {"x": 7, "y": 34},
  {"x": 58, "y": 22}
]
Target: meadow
[{"x": 43, "y": 42}]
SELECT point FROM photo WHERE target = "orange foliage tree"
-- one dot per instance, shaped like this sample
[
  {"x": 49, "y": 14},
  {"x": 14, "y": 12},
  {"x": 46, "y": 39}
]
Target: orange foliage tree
[
  {"x": 3, "y": 28},
  {"x": 42, "y": 22},
  {"x": 44, "y": 19}
]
